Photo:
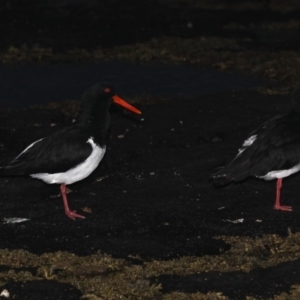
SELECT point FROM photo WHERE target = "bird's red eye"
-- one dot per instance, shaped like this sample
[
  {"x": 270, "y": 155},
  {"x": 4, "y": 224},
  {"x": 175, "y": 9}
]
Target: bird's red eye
[{"x": 107, "y": 90}]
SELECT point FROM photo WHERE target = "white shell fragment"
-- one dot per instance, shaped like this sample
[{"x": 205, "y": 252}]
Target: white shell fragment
[
  {"x": 5, "y": 293},
  {"x": 14, "y": 220},
  {"x": 234, "y": 221}
]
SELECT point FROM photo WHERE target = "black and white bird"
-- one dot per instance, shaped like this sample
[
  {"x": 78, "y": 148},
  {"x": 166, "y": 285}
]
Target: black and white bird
[
  {"x": 271, "y": 152},
  {"x": 73, "y": 153}
]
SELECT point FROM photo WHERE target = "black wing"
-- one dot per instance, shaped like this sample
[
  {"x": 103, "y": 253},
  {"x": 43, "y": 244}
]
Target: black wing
[
  {"x": 56, "y": 153},
  {"x": 276, "y": 147}
]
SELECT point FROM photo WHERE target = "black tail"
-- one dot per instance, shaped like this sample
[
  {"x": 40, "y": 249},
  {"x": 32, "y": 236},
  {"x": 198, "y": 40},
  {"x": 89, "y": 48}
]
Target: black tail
[
  {"x": 221, "y": 177},
  {"x": 7, "y": 171}
]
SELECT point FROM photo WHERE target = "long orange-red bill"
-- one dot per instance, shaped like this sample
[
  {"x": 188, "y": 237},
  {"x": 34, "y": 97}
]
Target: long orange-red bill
[{"x": 123, "y": 103}]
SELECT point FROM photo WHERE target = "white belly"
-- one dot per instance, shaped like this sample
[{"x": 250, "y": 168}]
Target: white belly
[
  {"x": 280, "y": 173},
  {"x": 77, "y": 173}
]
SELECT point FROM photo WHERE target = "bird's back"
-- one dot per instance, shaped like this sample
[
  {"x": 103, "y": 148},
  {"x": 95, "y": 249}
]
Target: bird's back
[
  {"x": 273, "y": 146},
  {"x": 58, "y": 152}
]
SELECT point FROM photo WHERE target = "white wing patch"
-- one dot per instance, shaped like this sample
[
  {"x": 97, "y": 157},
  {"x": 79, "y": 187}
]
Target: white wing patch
[
  {"x": 28, "y": 147},
  {"x": 250, "y": 140},
  {"x": 247, "y": 143},
  {"x": 80, "y": 171}
]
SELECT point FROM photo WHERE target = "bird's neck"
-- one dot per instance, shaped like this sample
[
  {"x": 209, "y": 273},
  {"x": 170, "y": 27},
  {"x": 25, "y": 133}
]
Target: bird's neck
[{"x": 97, "y": 123}]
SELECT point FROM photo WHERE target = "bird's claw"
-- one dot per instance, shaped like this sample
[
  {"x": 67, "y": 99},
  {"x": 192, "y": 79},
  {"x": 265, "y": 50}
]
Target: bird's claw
[
  {"x": 283, "y": 207},
  {"x": 73, "y": 215}
]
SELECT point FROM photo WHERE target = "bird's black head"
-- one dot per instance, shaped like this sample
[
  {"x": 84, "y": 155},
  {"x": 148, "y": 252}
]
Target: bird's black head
[
  {"x": 101, "y": 95},
  {"x": 100, "y": 92},
  {"x": 108, "y": 90},
  {"x": 97, "y": 99},
  {"x": 95, "y": 116}
]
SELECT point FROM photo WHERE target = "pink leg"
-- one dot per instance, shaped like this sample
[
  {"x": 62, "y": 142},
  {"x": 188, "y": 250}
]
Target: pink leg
[
  {"x": 71, "y": 214},
  {"x": 277, "y": 202}
]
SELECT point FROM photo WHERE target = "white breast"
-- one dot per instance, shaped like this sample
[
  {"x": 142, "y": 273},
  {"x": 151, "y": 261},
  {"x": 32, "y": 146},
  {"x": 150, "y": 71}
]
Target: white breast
[{"x": 79, "y": 172}]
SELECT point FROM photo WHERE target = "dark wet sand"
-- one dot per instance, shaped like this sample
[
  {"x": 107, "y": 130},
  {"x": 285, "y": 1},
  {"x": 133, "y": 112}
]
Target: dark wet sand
[{"x": 151, "y": 202}]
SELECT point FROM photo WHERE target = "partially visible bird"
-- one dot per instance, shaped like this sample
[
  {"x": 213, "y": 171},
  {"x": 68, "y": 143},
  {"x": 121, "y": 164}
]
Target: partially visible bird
[
  {"x": 272, "y": 151},
  {"x": 72, "y": 153}
]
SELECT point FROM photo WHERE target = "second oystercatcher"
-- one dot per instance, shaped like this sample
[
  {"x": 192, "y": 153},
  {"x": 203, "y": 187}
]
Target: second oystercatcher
[
  {"x": 73, "y": 153},
  {"x": 270, "y": 152}
]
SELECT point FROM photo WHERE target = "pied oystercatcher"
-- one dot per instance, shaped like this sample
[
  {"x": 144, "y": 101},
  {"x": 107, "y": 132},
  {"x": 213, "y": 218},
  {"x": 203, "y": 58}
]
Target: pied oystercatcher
[
  {"x": 271, "y": 152},
  {"x": 73, "y": 153}
]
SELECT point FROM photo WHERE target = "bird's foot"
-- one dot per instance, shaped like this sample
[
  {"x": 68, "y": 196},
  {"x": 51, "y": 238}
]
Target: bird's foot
[
  {"x": 73, "y": 215},
  {"x": 283, "y": 207}
]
